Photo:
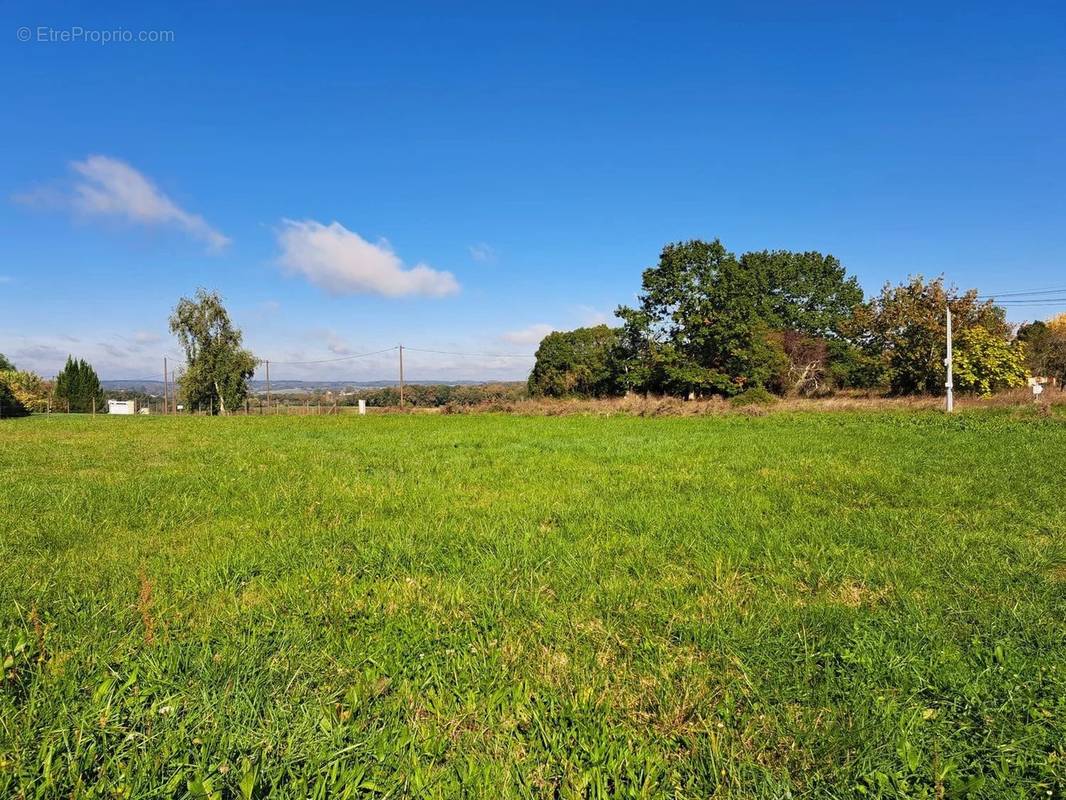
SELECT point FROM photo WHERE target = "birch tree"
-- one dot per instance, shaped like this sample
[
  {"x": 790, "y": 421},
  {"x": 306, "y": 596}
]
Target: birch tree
[{"x": 217, "y": 367}]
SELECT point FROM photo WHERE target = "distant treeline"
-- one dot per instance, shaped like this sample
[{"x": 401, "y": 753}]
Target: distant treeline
[
  {"x": 439, "y": 395},
  {"x": 429, "y": 395}
]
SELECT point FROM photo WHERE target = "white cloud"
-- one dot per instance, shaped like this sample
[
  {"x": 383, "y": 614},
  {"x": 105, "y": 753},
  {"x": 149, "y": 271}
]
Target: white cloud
[
  {"x": 482, "y": 252},
  {"x": 343, "y": 262},
  {"x": 530, "y": 335},
  {"x": 108, "y": 187}
]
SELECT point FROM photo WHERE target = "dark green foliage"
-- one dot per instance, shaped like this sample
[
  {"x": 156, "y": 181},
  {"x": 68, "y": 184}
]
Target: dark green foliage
[
  {"x": 217, "y": 368},
  {"x": 755, "y": 396},
  {"x": 9, "y": 404},
  {"x": 79, "y": 386},
  {"x": 706, "y": 319},
  {"x": 581, "y": 362},
  {"x": 851, "y": 366},
  {"x": 6, "y": 365}
]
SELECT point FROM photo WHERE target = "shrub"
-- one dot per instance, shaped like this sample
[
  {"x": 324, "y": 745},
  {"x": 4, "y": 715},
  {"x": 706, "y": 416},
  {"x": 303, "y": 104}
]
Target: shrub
[
  {"x": 755, "y": 396},
  {"x": 22, "y": 393}
]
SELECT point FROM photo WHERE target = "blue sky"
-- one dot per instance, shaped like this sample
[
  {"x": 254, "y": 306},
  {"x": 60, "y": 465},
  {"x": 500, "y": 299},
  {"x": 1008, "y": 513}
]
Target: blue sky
[{"x": 466, "y": 178}]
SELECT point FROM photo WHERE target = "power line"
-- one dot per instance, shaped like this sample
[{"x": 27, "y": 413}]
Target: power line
[
  {"x": 1023, "y": 293},
  {"x": 476, "y": 355},
  {"x": 331, "y": 360},
  {"x": 380, "y": 352}
]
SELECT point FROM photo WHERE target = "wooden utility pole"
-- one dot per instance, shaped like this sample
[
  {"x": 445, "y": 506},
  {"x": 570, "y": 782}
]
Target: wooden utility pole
[
  {"x": 94, "y": 406},
  {"x": 401, "y": 376},
  {"x": 174, "y": 392},
  {"x": 267, "y": 362},
  {"x": 166, "y": 386}
]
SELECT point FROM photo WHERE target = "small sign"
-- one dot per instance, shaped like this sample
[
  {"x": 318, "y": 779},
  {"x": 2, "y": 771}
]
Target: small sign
[
  {"x": 1038, "y": 388},
  {"x": 362, "y": 406}
]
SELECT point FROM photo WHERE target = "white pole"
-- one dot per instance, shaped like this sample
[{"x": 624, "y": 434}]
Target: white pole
[{"x": 947, "y": 361}]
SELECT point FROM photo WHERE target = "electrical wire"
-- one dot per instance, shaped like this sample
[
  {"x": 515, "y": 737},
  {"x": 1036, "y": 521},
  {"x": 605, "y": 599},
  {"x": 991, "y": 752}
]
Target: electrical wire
[
  {"x": 330, "y": 360},
  {"x": 476, "y": 355},
  {"x": 1023, "y": 292}
]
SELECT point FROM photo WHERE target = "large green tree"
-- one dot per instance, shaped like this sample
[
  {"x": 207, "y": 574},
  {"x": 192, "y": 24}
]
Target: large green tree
[
  {"x": 706, "y": 320},
  {"x": 906, "y": 327},
  {"x": 5, "y": 364},
  {"x": 217, "y": 367},
  {"x": 578, "y": 362},
  {"x": 79, "y": 386}
]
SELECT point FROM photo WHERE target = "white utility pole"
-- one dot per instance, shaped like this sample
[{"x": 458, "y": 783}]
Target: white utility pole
[{"x": 947, "y": 362}]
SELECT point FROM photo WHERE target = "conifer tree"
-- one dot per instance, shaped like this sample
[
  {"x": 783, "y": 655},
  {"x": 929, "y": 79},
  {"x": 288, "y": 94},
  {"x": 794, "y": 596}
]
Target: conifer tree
[{"x": 79, "y": 385}]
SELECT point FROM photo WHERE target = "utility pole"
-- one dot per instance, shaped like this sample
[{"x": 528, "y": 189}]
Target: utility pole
[
  {"x": 401, "y": 376},
  {"x": 950, "y": 384},
  {"x": 174, "y": 390},
  {"x": 166, "y": 386},
  {"x": 267, "y": 362}
]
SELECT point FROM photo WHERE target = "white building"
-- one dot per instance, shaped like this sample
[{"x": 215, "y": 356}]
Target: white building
[{"x": 121, "y": 406}]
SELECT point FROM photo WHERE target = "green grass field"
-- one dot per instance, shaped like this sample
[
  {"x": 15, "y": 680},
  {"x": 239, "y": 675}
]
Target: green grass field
[{"x": 805, "y": 605}]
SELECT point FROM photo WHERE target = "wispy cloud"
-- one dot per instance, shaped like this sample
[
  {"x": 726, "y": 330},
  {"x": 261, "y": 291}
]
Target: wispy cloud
[
  {"x": 108, "y": 187},
  {"x": 590, "y": 316},
  {"x": 6, "y": 279},
  {"x": 482, "y": 252},
  {"x": 337, "y": 345},
  {"x": 146, "y": 337},
  {"x": 343, "y": 262},
  {"x": 47, "y": 354},
  {"x": 529, "y": 335}
]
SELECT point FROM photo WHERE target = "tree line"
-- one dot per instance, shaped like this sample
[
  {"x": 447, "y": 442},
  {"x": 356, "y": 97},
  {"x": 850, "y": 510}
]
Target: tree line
[{"x": 708, "y": 322}]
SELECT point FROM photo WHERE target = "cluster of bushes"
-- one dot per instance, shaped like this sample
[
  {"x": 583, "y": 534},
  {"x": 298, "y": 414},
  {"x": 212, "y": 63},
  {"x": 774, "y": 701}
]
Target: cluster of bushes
[
  {"x": 711, "y": 323},
  {"x": 439, "y": 395},
  {"x": 21, "y": 392}
]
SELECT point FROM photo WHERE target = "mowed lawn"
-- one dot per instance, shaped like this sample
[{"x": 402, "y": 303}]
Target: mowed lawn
[{"x": 814, "y": 605}]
